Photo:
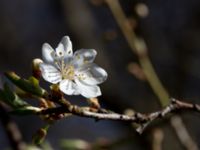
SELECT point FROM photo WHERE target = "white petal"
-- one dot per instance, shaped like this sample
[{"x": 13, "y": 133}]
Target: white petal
[
  {"x": 87, "y": 90},
  {"x": 68, "y": 87},
  {"x": 48, "y": 53},
  {"x": 92, "y": 74},
  {"x": 60, "y": 50},
  {"x": 84, "y": 56},
  {"x": 64, "y": 49},
  {"x": 67, "y": 46},
  {"x": 50, "y": 73}
]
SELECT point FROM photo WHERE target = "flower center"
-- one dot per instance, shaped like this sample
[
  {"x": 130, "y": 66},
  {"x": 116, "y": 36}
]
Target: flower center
[{"x": 68, "y": 72}]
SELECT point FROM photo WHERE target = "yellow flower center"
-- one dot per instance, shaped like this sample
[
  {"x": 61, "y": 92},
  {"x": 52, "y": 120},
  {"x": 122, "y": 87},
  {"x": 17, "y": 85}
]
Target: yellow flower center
[{"x": 68, "y": 72}]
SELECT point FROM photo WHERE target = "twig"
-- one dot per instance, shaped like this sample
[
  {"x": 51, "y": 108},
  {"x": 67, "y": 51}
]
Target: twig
[
  {"x": 143, "y": 120},
  {"x": 12, "y": 131}
]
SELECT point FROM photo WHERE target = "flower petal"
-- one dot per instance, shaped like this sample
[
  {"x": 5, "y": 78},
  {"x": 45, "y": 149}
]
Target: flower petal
[
  {"x": 87, "y": 90},
  {"x": 64, "y": 48},
  {"x": 48, "y": 53},
  {"x": 84, "y": 56},
  {"x": 92, "y": 74},
  {"x": 60, "y": 52},
  {"x": 67, "y": 46},
  {"x": 68, "y": 87},
  {"x": 50, "y": 73}
]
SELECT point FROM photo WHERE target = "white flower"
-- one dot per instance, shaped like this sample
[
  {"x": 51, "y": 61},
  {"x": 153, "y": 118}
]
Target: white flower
[{"x": 75, "y": 73}]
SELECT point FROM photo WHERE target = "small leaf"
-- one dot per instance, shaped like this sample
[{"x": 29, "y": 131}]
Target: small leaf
[
  {"x": 11, "y": 98},
  {"x": 30, "y": 86}
]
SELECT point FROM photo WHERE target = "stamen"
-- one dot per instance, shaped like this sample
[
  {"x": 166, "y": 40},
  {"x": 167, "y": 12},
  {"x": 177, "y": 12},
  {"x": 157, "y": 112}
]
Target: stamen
[
  {"x": 68, "y": 72},
  {"x": 81, "y": 76}
]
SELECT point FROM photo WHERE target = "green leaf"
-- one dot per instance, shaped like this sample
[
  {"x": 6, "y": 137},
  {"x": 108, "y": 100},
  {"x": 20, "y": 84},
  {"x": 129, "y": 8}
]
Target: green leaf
[
  {"x": 11, "y": 98},
  {"x": 30, "y": 86}
]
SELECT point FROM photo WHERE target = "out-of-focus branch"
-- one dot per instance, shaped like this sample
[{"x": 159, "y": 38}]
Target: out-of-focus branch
[
  {"x": 12, "y": 131},
  {"x": 157, "y": 139},
  {"x": 139, "y": 47},
  {"x": 177, "y": 123}
]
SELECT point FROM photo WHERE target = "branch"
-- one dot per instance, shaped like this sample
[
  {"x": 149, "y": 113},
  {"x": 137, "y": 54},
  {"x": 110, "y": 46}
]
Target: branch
[
  {"x": 143, "y": 120},
  {"x": 177, "y": 123},
  {"x": 12, "y": 130},
  {"x": 175, "y": 105},
  {"x": 158, "y": 137},
  {"x": 139, "y": 47}
]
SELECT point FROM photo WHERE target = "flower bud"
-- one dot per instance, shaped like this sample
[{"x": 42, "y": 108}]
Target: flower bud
[
  {"x": 36, "y": 67},
  {"x": 94, "y": 103},
  {"x": 40, "y": 135}
]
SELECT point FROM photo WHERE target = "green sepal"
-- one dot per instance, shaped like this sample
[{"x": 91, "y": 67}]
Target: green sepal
[
  {"x": 23, "y": 111},
  {"x": 33, "y": 81},
  {"x": 11, "y": 98},
  {"x": 30, "y": 86}
]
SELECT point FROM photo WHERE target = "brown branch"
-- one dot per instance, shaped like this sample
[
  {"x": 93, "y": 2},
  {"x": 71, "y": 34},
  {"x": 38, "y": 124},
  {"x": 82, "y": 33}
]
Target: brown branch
[
  {"x": 175, "y": 105},
  {"x": 143, "y": 120},
  {"x": 12, "y": 130}
]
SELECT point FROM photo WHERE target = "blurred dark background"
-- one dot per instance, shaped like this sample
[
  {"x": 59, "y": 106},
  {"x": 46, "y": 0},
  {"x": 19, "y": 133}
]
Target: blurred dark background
[{"x": 172, "y": 33}]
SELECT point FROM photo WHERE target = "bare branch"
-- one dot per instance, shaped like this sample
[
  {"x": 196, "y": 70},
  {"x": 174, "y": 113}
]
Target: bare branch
[{"x": 143, "y": 120}]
